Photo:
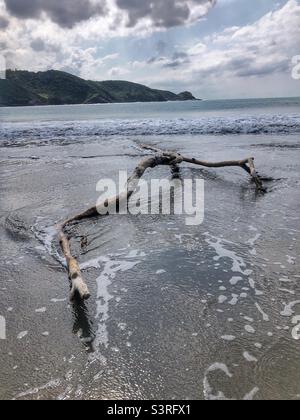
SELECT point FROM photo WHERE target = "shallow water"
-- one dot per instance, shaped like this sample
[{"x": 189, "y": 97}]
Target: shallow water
[{"x": 200, "y": 312}]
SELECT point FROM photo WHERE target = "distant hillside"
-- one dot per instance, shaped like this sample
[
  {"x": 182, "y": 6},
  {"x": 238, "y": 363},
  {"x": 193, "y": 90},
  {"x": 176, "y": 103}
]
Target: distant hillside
[{"x": 22, "y": 88}]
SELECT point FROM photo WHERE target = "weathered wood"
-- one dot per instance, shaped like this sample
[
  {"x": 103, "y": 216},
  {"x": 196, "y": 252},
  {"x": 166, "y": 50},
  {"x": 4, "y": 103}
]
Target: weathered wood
[
  {"x": 78, "y": 285},
  {"x": 254, "y": 174},
  {"x": 168, "y": 158}
]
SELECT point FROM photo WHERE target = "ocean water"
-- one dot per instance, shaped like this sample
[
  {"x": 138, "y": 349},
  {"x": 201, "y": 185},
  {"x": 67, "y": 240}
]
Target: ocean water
[
  {"x": 205, "y": 312},
  {"x": 46, "y": 124}
]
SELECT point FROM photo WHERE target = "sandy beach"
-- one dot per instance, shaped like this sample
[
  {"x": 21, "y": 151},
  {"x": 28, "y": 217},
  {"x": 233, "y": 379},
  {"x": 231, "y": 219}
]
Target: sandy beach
[{"x": 176, "y": 311}]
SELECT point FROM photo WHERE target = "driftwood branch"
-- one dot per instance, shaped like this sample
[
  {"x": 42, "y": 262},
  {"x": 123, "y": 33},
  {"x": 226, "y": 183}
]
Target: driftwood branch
[
  {"x": 167, "y": 158},
  {"x": 246, "y": 164}
]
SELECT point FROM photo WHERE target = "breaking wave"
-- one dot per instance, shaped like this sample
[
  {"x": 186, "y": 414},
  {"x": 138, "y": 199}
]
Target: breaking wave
[{"x": 45, "y": 132}]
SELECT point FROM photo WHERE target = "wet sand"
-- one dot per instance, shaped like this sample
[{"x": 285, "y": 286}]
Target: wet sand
[{"x": 176, "y": 312}]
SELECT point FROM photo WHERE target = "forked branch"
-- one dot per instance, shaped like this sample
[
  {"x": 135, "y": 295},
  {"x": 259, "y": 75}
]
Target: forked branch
[{"x": 172, "y": 159}]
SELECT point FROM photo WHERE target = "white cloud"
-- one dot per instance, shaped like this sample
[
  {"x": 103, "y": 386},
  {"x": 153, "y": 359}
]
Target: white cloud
[
  {"x": 128, "y": 13},
  {"x": 254, "y": 58},
  {"x": 261, "y": 50},
  {"x": 38, "y": 34}
]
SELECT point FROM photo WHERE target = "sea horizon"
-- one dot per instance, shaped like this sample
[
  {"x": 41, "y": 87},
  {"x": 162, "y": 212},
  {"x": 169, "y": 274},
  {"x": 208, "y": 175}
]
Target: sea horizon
[{"x": 155, "y": 102}]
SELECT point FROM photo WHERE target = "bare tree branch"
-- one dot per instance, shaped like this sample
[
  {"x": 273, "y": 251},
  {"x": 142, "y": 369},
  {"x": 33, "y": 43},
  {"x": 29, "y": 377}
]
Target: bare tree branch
[{"x": 167, "y": 158}]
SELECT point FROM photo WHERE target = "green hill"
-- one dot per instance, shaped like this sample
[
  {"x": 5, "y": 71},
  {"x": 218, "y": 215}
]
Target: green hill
[{"x": 22, "y": 88}]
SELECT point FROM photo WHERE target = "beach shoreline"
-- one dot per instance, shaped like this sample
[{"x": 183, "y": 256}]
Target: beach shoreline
[{"x": 176, "y": 311}]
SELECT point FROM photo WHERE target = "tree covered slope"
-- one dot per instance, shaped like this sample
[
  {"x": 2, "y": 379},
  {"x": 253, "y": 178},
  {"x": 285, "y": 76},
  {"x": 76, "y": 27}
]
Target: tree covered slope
[{"x": 22, "y": 88}]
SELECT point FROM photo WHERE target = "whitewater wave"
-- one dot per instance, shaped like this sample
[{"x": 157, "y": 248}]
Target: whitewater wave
[{"x": 16, "y": 133}]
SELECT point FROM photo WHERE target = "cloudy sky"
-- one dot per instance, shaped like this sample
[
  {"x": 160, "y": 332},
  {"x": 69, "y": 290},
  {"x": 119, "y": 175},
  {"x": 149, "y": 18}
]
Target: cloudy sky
[{"x": 214, "y": 48}]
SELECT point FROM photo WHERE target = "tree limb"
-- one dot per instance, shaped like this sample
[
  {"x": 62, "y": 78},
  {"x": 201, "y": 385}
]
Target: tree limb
[{"x": 167, "y": 158}]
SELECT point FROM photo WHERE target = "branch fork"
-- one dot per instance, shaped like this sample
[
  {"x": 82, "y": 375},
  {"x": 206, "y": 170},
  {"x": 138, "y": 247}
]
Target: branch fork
[{"x": 79, "y": 287}]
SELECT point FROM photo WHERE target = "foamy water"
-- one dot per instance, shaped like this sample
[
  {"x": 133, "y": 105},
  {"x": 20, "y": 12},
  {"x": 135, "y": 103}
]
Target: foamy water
[{"x": 201, "y": 312}]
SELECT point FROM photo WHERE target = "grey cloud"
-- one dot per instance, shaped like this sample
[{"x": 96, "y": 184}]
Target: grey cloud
[
  {"x": 163, "y": 13},
  {"x": 153, "y": 60},
  {"x": 178, "y": 59},
  {"x": 264, "y": 70},
  {"x": 248, "y": 67},
  {"x": 175, "y": 64},
  {"x": 180, "y": 55},
  {"x": 245, "y": 68},
  {"x": 65, "y": 13},
  {"x": 161, "y": 48},
  {"x": 238, "y": 64},
  {"x": 39, "y": 45},
  {"x": 3, "y": 23},
  {"x": 172, "y": 65}
]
